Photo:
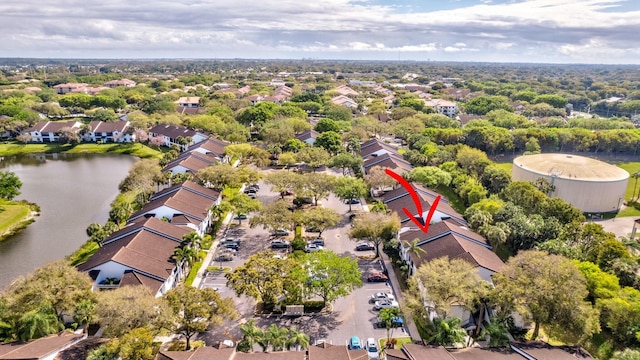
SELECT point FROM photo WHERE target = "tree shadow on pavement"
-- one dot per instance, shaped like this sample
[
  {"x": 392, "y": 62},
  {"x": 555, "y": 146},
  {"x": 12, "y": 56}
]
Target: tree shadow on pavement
[{"x": 316, "y": 326}]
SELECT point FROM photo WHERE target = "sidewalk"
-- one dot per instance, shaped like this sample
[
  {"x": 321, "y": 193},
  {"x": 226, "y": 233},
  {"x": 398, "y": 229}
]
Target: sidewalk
[
  {"x": 410, "y": 327},
  {"x": 207, "y": 259}
]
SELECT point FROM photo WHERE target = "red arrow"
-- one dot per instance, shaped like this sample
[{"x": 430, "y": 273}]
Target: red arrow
[{"x": 424, "y": 227}]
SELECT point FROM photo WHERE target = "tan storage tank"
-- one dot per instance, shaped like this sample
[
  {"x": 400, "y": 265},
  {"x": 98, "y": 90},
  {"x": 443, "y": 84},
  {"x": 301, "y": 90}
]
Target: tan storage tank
[{"x": 590, "y": 185}]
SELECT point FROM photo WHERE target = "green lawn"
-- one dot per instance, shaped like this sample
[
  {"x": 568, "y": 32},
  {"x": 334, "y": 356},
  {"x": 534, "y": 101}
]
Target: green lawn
[
  {"x": 13, "y": 214},
  {"x": 136, "y": 149},
  {"x": 84, "y": 253},
  {"x": 400, "y": 341},
  {"x": 631, "y": 167},
  {"x": 454, "y": 200},
  {"x": 505, "y": 166}
]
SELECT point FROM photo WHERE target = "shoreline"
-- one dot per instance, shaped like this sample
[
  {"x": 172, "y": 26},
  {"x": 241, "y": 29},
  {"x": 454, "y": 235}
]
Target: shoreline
[
  {"x": 142, "y": 151},
  {"x": 15, "y": 149},
  {"x": 20, "y": 224}
]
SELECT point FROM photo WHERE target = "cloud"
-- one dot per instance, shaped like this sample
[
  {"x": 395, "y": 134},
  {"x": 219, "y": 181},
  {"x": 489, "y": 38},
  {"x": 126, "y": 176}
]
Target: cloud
[{"x": 554, "y": 30}]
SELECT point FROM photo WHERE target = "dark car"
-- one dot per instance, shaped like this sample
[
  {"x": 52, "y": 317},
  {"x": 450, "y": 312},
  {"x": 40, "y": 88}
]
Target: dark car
[
  {"x": 286, "y": 193},
  {"x": 280, "y": 232},
  {"x": 396, "y": 321},
  {"x": 318, "y": 241},
  {"x": 231, "y": 245},
  {"x": 300, "y": 201},
  {"x": 364, "y": 247},
  {"x": 251, "y": 191},
  {"x": 352, "y": 201},
  {"x": 241, "y": 217},
  {"x": 377, "y": 277}
]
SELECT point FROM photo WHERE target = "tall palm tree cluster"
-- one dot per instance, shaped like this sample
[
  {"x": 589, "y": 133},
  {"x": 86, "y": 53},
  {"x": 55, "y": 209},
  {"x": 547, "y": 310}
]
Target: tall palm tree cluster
[
  {"x": 275, "y": 338},
  {"x": 188, "y": 252}
]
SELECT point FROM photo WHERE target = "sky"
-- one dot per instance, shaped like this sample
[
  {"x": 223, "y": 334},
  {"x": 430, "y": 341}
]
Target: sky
[{"x": 530, "y": 31}]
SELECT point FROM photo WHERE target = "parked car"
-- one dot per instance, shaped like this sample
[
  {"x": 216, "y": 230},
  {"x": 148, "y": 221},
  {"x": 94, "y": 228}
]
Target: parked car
[
  {"x": 396, "y": 321},
  {"x": 286, "y": 193},
  {"x": 365, "y": 247},
  {"x": 372, "y": 349},
  {"x": 280, "y": 232},
  {"x": 352, "y": 201},
  {"x": 224, "y": 257},
  {"x": 250, "y": 190},
  {"x": 354, "y": 343},
  {"x": 279, "y": 243},
  {"x": 300, "y": 201},
  {"x": 385, "y": 304},
  {"x": 312, "y": 248},
  {"x": 255, "y": 186},
  {"x": 241, "y": 217},
  {"x": 377, "y": 277},
  {"x": 317, "y": 241},
  {"x": 231, "y": 245},
  {"x": 382, "y": 296},
  {"x": 231, "y": 240}
]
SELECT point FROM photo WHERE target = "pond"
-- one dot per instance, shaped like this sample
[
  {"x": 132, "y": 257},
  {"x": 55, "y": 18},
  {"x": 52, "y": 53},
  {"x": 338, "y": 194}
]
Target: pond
[{"x": 73, "y": 191}]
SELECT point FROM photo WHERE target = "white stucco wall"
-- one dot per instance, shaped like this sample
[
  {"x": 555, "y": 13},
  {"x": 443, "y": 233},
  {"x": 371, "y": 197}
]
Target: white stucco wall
[
  {"x": 587, "y": 195},
  {"x": 178, "y": 169},
  {"x": 110, "y": 269}
]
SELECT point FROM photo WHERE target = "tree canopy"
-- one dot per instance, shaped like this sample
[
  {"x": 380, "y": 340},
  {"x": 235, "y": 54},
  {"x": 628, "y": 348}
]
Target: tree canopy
[
  {"x": 195, "y": 309},
  {"x": 10, "y": 185},
  {"x": 375, "y": 227},
  {"x": 264, "y": 277},
  {"x": 548, "y": 290},
  {"x": 331, "y": 276}
]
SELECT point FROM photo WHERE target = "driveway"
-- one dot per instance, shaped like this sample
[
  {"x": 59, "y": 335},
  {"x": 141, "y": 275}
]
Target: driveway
[{"x": 620, "y": 226}]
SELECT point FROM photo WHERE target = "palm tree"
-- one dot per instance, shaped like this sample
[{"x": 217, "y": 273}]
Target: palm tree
[
  {"x": 388, "y": 316},
  {"x": 447, "y": 332},
  {"x": 275, "y": 337},
  {"x": 83, "y": 313},
  {"x": 380, "y": 207},
  {"x": 216, "y": 213},
  {"x": 297, "y": 339},
  {"x": 37, "y": 323},
  {"x": 192, "y": 240},
  {"x": 413, "y": 248},
  {"x": 498, "y": 334},
  {"x": 635, "y": 175},
  {"x": 279, "y": 337},
  {"x": 184, "y": 256},
  {"x": 251, "y": 334}
]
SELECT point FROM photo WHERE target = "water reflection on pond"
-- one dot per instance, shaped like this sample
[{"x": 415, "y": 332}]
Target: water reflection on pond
[{"x": 72, "y": 190}]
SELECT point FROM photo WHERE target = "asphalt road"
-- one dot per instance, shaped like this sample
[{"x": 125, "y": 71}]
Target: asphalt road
[{"x": 349, "y": 316}]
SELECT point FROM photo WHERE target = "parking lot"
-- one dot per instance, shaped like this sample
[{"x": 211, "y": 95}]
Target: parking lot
[{"x": 349, "y": 316}]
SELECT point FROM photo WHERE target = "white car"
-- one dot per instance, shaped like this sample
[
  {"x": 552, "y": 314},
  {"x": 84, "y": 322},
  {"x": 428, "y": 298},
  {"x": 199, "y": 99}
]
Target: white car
[
  {"x": 372, "y": 348},
  {"x": 382, "y": 296},
  {"x": 312, "y": 248},
  {"x": 385, "y": 304}
]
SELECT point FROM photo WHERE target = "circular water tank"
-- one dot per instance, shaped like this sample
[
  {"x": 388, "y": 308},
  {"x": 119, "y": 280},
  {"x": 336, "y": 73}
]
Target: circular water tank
[{"x": 590, "y": 185}]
